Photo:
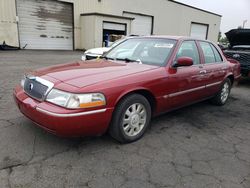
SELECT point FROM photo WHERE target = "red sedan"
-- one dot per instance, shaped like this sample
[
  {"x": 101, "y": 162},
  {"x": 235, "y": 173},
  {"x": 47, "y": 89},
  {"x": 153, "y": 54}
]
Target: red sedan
[{"x": 140, "y": 78}]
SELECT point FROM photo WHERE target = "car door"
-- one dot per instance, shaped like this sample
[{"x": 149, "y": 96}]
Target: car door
[
  {"x": 186, "y": 84},
  {"x": 215, "y": 69}
]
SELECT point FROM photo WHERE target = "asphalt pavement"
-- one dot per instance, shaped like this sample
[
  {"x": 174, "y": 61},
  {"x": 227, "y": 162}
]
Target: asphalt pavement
[{"x": 200, "y": 146}]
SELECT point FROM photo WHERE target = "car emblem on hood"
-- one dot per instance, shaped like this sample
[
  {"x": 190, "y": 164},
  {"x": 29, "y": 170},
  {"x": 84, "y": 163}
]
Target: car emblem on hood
[
  {"x": 236, "y": 55},
  {"x": 31, "y": 86}
]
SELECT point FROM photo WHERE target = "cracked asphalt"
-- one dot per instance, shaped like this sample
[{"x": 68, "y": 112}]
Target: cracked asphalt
[{"x": 200, "y": 146}]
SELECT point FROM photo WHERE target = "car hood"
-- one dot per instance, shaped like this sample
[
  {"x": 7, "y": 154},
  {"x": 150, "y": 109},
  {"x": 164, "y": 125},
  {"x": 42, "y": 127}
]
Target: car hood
[
  {"x": 98, "y": 51},
  {"x": 85, "y": 73},
  {"x": 238, "y": 37}
]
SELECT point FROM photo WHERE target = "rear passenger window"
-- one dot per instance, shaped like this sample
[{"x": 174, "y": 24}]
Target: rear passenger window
[
  {"x": 218, "y": 57},
  {"x": 189, "y": 49},
  {"x": 208, "y": 52}
]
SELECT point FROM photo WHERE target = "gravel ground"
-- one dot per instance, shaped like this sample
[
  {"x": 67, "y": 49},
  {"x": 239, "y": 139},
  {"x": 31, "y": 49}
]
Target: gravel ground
[{"x": 198, "y": 146}]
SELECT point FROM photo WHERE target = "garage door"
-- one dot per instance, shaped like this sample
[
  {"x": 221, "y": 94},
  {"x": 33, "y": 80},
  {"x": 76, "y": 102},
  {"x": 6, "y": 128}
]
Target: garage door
[
  {"x": 199, "y": 31},
  {"x": 114, "y": 26},
  {"x": 45, "y": 24},
  {"x": 141, "y": 25}
]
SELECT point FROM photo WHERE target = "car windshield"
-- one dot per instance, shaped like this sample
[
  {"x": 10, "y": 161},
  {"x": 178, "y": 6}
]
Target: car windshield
[
  {"x": 150, "y": 51},
  {"x": 114, "y": 44}
]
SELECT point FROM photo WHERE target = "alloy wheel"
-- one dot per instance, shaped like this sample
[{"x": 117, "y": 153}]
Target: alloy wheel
[
  {"x": 225, "y": 92},
  {"x": 134, "y": 119}
]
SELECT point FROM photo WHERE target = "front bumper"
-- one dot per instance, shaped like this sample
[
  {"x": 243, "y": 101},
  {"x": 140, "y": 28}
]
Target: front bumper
[{"x": 61, "y": 121}]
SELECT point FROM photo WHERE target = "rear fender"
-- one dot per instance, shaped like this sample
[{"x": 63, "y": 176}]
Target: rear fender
[{"x": 235, "y": 67}]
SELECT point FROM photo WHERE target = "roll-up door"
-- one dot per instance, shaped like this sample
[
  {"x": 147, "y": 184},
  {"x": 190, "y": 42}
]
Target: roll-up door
[
  {"x": 113, "y": 29},
  {"x": 141, "y": 25},
  {"x": 45, "y": 24},
  {"x": 114, "y": 26},
  {"x": 199, "y": 30}
]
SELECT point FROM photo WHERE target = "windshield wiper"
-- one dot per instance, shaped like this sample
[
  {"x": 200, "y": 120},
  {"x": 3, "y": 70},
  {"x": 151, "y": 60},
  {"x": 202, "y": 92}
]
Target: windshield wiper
[
  {"x": 107, "y": 58},
  {"x": 127, "y": 60}
]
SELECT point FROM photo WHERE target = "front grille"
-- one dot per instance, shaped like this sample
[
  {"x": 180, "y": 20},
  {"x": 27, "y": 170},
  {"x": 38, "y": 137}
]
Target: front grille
[
  {"x": 242, "y": 57},
  {"x": 88, "y": 57},
  {"x": 36, "y": 88}
]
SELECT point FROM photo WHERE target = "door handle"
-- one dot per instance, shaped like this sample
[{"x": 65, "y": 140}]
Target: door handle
[
  {"x": 203, "y": 72},
  {"x": 224, "y": 68},
  {"x": 222, "y": 71}
]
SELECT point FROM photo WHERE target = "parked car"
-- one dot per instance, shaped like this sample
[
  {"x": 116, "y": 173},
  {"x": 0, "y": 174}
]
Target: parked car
[
  {"x": 239, "y": 48},
  {"x": 98, "y": 52},
  {"x": 120, "y": 95}
]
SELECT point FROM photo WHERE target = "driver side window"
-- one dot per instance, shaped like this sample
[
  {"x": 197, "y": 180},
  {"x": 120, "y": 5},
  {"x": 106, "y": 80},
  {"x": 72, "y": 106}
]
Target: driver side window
[{"x": 189, "y": 49}]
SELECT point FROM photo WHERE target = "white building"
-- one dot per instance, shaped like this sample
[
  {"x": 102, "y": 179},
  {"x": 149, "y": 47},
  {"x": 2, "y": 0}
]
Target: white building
[{"x": 79, "y": 24}]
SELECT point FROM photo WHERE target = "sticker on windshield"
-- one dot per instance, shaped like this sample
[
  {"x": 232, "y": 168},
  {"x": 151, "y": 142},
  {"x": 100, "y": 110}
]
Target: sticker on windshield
[{"x": 166, "y": 45}]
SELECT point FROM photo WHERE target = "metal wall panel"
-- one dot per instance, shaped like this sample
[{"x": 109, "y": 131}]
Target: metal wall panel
[
  {"x": 8, "y": 24},
  {"x": 7, "y": 11},
  {"x": 45, "y": 24}
]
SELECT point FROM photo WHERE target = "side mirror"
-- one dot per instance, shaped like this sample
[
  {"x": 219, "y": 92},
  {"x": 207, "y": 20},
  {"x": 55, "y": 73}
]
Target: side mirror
[{"x": 184, "y": 62}]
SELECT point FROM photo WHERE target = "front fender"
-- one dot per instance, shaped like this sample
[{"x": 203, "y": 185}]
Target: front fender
[{"x": 130, "y": 91}]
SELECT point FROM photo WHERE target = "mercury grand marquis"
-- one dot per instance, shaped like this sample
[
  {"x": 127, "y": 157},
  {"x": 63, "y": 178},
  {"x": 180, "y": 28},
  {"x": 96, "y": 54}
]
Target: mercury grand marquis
[{"x": 140, "y": 78}]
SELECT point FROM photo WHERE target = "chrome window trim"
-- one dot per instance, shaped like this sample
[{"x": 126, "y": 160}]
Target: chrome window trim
[
  {"x": 215, "y": 63},
  {"x": 71, "y": 114},
  {"x": 195, "y": 65}
]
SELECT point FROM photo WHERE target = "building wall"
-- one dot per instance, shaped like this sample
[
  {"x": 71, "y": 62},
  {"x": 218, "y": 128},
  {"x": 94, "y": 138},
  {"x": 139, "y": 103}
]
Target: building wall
[
  {"x": 8, "y": 23},
  {"x": 88, "y": 37},
  {"x": 169, "y": 18},
  {"x": 82, "y": 6},
  {"x": 186, "y": 16}
]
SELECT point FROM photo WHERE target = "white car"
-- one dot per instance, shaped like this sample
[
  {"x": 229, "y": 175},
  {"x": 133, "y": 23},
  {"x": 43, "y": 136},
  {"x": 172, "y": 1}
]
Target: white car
[{"x": 98, "y": 52}]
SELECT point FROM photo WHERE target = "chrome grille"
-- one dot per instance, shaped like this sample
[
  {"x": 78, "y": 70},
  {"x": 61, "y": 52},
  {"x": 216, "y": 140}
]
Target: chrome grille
[
  {"x": 37, "y": 88},
  {"x": 242, "y": 57},
  {"x": 88, "y": 57}
]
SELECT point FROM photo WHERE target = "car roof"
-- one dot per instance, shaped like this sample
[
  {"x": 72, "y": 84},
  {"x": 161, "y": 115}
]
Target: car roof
[{"x": 171, "y": 37}]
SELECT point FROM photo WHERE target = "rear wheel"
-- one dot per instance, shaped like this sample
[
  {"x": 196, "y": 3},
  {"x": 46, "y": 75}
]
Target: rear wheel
[
  {"x": 223, "y": 95},
  {"x": 130, "y": 119}
]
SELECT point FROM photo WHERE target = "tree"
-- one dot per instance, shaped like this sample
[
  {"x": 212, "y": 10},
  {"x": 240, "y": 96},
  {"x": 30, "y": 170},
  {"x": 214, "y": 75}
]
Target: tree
[
  {"x": 224, "y": 40},
  {"x": 219, "y": 36}
]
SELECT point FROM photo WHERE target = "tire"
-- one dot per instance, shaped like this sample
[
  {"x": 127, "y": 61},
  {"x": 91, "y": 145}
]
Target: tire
[
  {"x": 222, "y": 96},
  {"x": 131, "y": 119}
]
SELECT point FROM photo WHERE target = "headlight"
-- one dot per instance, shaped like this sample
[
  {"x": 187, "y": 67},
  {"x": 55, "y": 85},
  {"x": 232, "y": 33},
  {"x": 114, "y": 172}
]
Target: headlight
[
  {"x": 74, "y": 101},
  {"x": 84, "y": 57},
  {"x": 23, "y": 82}
]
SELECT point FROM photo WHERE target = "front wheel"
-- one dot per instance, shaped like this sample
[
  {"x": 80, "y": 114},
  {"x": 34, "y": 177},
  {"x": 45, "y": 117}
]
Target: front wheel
[
  {"x": 222, "y": 96},
  {"x": 130, "y": 119}
]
